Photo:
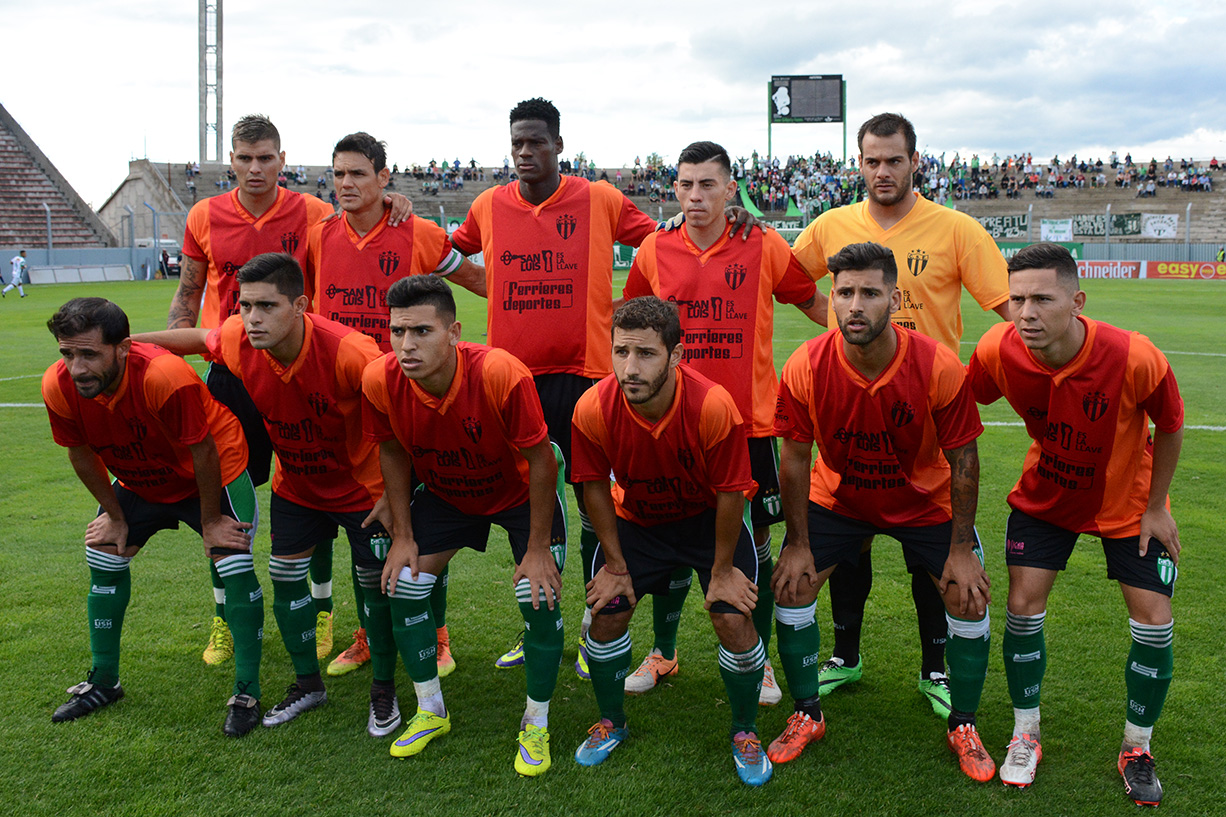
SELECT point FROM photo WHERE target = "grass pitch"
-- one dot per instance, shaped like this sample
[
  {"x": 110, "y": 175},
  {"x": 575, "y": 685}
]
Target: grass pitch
[{"x": 160, "y": 750}]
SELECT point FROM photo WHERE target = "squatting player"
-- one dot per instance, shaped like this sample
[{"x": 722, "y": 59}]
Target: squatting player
[
  {"x": 223, "y": 233},
  {"x": 466, "y": 420},
  {"x": 723, "y": 290},
  {"x": 676, "y": 447},
  {"x": 304, "y": 375},
  {"x": 350, "y": 263},
  {"x": 178, "y": 456},
  {"x": 942, "y": 252},
  {"x": 1086, "y": 391},
  {"x": 895, "y": 425}
]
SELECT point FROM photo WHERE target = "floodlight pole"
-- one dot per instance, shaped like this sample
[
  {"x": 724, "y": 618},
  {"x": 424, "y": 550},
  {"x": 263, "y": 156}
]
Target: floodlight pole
[
  {"x": 50, "y": 249},
  {"x": 1187, "y": 235},
  {"x": 1107, "y": 232},
  {"x": 769, "y": 119}
]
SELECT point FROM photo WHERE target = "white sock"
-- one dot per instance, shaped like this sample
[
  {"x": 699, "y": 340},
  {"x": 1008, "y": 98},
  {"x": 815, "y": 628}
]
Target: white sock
[
  {"x": 430, "y": 697},
  {"x": 1136, "y": 736},
  {"x": 536, "y": 713},
  {"x": 1026, "y": 721}
]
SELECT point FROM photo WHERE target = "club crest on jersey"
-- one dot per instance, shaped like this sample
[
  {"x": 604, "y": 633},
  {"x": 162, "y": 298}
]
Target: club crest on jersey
[
  {"x": 472, "y": 427},
  {"x": 917, "y": 261},
  {"x": 734, "y": 275},
  {"x": 565, "y": 225},
  {"x": 289, "y": 242},
  {"x": 229, "y": 268},
  {"x": 902, "y": 413},
  {"x": 686, "y": 458},
  {"x": 388, "y": 262},
  {"x": 319, "y": 402},
  {"x": 1094, "y": 404},
  {"x": 138, "y": 428}
]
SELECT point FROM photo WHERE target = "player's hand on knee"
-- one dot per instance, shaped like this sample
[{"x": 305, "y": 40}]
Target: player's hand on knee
[
  {"x": 605, "y": 587},
  {"x": 402, "y": 554},
  {"x": 964, "y": 584},
  {"x": 794, "y": 574},
  {"x": 226, "y": 532},
  {"x": 732, "y": 587},
  {"x": 105, "y": 530},
  {"x": 543, "y": 577}
]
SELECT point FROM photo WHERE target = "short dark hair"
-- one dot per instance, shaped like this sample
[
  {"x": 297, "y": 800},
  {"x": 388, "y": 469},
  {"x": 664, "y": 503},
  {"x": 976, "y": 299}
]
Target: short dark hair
[
  {"x": 1046, "y": 255},
  {"x": 423, "y": 290},
  {"x": 538, "y": 108},
  {"x": 888, "y": 124},
  {"x": 650, "y": 312},
  {"x": 81, "y": 315},
  {"x": 864, "y": 257},
  {"x": 255, "y": 127},
  {"x": 699, "y": 152},
  {"x": 365, "y": 144},
  {"x": 277, "y": 268}
]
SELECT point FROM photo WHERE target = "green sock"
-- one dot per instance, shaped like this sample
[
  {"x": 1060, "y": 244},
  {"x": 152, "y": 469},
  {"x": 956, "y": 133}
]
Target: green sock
[
  {"x": 378, "y": 622},
  {"x": 438, "y": 598},
  {"x": 359, "y": 595},
  {"x": 1025, "y": 652},
  {"x": 967, "y": 651},
  {"x": 542, "y": 643},
  {"x": 764, "y": 610},
  {"x": 295, "y": 614},
  {"x": 245, "y": 609},
  {"x": 219, "y": 593},
  {"x": 742, "y": 674},
  {"x": 666, "y": 611},
  {"x": 110, "y": 588},
  {"x": 609, "y": 663},
  {"x": 413, "y": 626},
  {"x": 1148, "y": 673},
  {"x": 800, "y": 643},
  {"x": 321, "y": 577}
]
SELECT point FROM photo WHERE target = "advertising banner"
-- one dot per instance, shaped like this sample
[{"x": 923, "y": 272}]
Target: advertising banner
[
  {"x": 1009, "y": 248},
  {"x": 1006, "y": 226},
  {"x": 1187, "y": 270},
  {"x": 1056, "y": 229},
  {"x": 1095, "y": 224},
  {"x": 1159, "y": 225},
  {"x": 1109, "y": 269}
]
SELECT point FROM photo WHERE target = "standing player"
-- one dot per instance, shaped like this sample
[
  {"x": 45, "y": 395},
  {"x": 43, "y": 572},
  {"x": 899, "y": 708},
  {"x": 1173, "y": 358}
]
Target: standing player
[
  {"x": 465, "y": 419},
  {"x": 942, "y": 251},
  {"x": 676, "y": 448},
  {"x": 304, "y": 374},
  {"x": 548, "y": 241},
  {"x": 177, "y": 456},
  {"x": 351, "y": 261},
  {"x": 895, "y": 426},
  {"x": 223, "y": 233},
  {"x": 17, "y": 275},
  {"x": 1086, "y": 391},
  {"x": 723, "y": 290}
]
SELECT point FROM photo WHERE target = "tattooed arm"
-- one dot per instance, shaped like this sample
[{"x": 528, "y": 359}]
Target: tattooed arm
[
  {"x": 185, "y": 305},
  {"x": 964, "y": 583}
]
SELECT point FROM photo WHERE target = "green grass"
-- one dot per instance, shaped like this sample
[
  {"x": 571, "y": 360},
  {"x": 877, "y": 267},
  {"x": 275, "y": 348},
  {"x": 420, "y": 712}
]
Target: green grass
[{"x": 160, "y": 750}]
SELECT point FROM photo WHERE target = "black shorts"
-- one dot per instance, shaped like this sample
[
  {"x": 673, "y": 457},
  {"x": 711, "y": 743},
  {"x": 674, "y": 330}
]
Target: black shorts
[
  {"x": 766, "y": 507},
  {"x": 146, "y": 518},
  {"x": 835, "y": 538},
  {"x": 559, "y": 393},
  {"x": 1031, "y": 542},
  {"x": 653, "y": 553},
  {"x": 439, "y": 526},
  {"x": 228, "y": 390},
  {"x": 296, "y": 528}
]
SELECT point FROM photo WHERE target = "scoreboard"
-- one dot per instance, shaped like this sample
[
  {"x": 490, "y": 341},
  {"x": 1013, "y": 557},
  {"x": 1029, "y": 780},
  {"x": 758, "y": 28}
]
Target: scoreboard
[{"x": 813, "y": 98}]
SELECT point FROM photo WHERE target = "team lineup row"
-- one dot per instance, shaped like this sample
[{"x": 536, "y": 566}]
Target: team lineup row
[{"x": 355, "y": 375}]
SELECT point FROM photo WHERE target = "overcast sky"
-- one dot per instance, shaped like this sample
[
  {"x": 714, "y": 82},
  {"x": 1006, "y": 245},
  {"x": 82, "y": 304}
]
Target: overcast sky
[{"x": 97, "y": 84}]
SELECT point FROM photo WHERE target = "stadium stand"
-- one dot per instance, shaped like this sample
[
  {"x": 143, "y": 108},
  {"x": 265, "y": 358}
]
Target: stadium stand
[{"x": 27, "y": 180}]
